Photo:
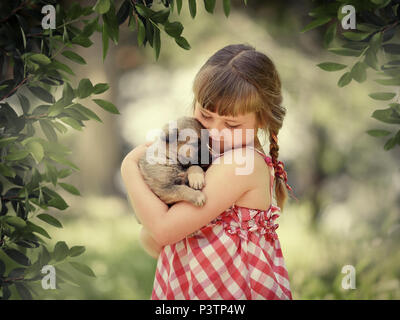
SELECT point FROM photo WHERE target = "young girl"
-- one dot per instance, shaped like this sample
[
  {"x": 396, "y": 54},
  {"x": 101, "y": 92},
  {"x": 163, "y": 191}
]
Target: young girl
[{"x": 228, "y": 248}]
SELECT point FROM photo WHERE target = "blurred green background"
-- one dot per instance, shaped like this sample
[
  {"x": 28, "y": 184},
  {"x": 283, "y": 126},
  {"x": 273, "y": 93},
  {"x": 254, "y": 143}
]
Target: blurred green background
[{"x": 347, "y": 185}]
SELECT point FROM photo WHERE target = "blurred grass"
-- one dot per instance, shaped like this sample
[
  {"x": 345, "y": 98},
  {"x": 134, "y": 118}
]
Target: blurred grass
[{"x": 110, "y": 234}]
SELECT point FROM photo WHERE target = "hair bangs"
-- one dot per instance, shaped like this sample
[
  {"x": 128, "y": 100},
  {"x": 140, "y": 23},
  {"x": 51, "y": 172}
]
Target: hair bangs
[{"x": 225, "y": 92}]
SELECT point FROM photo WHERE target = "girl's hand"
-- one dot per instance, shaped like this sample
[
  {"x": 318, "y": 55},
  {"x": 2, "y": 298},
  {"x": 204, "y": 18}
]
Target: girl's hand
[{"x": 137, "y": 152}]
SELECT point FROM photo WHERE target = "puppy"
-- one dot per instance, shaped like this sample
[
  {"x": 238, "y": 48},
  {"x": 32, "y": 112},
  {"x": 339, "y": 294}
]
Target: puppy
[{"x": 173, "y": 169}]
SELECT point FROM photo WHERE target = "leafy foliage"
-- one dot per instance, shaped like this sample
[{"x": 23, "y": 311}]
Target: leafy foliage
[
  {"x": 32, "y": 161},
  {"x": 373, "y": 45}
]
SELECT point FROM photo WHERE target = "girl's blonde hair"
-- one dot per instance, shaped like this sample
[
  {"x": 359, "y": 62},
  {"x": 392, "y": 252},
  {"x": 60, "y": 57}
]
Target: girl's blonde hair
[{"x": 236, "y": 80}]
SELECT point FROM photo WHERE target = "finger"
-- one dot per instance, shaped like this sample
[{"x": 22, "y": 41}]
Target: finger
[{"x": 148, "y": 143}]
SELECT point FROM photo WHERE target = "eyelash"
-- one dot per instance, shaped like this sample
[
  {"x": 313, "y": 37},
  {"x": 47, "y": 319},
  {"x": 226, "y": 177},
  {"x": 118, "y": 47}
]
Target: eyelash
[{"x": 231, "y": 127}]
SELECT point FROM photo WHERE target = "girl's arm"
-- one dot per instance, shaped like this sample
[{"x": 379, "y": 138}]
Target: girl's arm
[
  {"x": 222, "y": 188},
  {"x": 149, "y": 244}
]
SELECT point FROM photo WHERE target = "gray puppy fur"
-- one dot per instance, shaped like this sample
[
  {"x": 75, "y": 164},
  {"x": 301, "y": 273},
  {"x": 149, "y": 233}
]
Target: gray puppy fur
[{"x": 182, "y": 179}]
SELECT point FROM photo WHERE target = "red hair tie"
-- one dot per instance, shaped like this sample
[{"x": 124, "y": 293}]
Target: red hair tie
[{"x": 281, "y": 173}]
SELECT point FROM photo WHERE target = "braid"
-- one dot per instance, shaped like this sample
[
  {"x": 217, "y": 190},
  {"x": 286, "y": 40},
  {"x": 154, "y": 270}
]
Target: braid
[
  {"x": 280, "y": 183},
  {"x": 273, "y": 147}
]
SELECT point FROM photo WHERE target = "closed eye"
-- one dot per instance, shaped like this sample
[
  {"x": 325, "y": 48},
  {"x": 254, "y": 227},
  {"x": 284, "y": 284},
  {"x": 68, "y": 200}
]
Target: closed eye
[
  {"x": 205, "y": 117},
  {"x": 232, "y": 127}
]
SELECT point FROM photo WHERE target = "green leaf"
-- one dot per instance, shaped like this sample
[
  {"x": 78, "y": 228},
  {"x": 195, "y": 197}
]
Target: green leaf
[
  {"x": 82, "y": 268},
  {"x": 355, "y": 36},
  {"x": 102, "y": 6},
  {"x": 51, "y": 173},
  {"x": 6, "y": 141},
  {"x": 209, "y": 5},
  {"x": 60, "y": 251},
  {"x": 179, "y": 6},
  {"x": 345, "y": 52},
  {"x": 48, "y": 129},
  {"x": 149, "y": 31},
  {"x": 141, "y": 34},
  {"x": 100, "y": 88},
  {"x": 57, "y": 108},
  {"x": 329, "y": 35},
  {"x": 344, "y": 80},
  {"x": 331, "y": 66},
  {"x": 392, "y": 48},
  {"x": 376, "y": 41},
  {"x": 60, "y": 127},
  {"x": 192, "y": 8},
  {"x": 36, "y": 150},
  {"x": 358, "y": 72},
  {"x": 395, "y": 107},
  {"x": 86, "y": 112},
  {"x": 50, "y": 220},
  {"x": 144, "y": 11},
  {"x": 17, "y": 155},
  {"x": 378, "y": 132},
  {"x": 23, "y": 291},
  {"x": 7, "y": 171},
  {"x": 63, "y": 67},
  {"x": 68, "y": 93},
  {"x": 132, "y": 23},
  {"x": 316, "y": 23},
  {"x": 82, "y": 41},
  {"x": 85, "y": 88},
  {"x": 15, "y": 221},
  {"x": 389, "y": 82},
  {"x": 58, "y": 202},
  {"x": 182, "y": 42},
  {"x": 76, "y": 251},
  {"x": 90, "y": 27},
  {"x": 382, "y": 95},
  {"x": 62, "y": 160},
  {"x": 386, "y": 115},
  {"x": 24, "y": 103},
  {"x": 227, "y": 7},
  {"x": 73, "y": 57},
  {"x": 65, "y": 276},
  {"x": 174, "y": 29},
  {"x": 104, "y": 37},
  {"x": 106, "y": 105},
  {"x": 42, "y": 94},
  {"x": 40, "y": 58},
  {"x": 2, "y": 268},
  {"x": 161, "y": 16},
  {"x": 110, "y": 20},
  {"x": 366, "y": 27},
  {"x": 371, "y": 59},
  {"x": 390, "y": 143},
  {"x": 17, "y": 256},
  {"x": 157, "y": 42},
  {"x": 35, "y": 228},
  {"x": 70, "y": 188},
  {"x": 72, "y": 122},
  {"x": 23, "y": 36}
]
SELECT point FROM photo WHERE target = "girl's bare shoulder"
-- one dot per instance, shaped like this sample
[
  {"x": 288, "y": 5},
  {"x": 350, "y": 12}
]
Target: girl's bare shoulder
[{"x": 245, "y": 161}]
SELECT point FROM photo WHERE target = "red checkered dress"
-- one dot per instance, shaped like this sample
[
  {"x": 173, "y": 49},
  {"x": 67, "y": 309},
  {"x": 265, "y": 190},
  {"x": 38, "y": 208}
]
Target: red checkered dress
[{"x": 234, "y": 257}]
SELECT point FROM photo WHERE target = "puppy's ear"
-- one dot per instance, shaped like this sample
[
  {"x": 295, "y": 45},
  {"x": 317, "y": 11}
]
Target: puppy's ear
[{"x": 169, "y": 136}]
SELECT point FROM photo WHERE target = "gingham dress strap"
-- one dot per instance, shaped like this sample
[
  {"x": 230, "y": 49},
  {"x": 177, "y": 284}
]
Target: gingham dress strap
[{"x": 270, "y": 164}]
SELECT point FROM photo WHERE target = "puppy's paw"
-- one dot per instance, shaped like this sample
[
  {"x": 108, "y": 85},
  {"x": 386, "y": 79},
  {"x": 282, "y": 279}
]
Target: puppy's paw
[
  {"x": 199, "y": 199},
  {"x": 196, "y": 180}
]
